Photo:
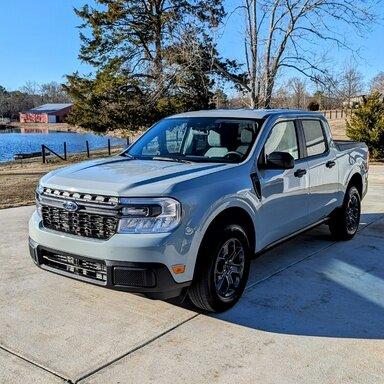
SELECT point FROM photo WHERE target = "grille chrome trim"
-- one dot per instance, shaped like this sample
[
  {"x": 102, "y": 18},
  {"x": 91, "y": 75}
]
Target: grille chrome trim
[{"x": 90, "y": 208}]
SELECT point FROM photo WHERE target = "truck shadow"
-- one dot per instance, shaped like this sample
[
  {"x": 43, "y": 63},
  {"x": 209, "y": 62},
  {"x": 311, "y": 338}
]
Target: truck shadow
[{"x": 338, "y": 291}]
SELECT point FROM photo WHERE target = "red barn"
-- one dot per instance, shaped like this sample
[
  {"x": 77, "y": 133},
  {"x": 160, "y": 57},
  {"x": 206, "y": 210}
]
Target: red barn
[{"x": 47, "y": 113}]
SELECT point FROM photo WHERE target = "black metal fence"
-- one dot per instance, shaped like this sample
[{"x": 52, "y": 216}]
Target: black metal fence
[
  {"x": 335, "y": 113},
  {"x": 47, "y": 151}
]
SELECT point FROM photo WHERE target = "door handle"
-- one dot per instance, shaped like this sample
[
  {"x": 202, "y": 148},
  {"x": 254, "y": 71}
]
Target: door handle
[
  {"x": 330, "y": 164},
  {"x": 300, "y": 172}
]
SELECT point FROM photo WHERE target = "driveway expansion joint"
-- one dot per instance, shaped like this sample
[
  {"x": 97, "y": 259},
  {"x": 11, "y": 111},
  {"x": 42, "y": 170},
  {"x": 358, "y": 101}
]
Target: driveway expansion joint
[
  {"x": 115, "y": 360},
  {"x": 34, "y": 364}
]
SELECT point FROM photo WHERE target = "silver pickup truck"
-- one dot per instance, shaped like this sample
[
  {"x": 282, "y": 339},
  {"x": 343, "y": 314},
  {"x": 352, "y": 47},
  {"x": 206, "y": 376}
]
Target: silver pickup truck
[{"x": 184, "y": 209}]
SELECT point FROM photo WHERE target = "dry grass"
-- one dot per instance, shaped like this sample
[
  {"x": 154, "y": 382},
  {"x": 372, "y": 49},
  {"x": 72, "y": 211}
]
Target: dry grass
[
  {"x": 18, "y": 190},
  {"x": 338, "y": 127}
]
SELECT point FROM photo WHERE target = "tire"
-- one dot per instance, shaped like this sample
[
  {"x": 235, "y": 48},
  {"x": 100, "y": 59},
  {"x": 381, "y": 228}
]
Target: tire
[
  {"x": 211, "y": 289},
  {"x": 345, "y": 223}
]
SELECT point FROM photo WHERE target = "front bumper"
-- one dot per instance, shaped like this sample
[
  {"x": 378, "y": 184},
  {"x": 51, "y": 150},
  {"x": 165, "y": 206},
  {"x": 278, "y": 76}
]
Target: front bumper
[
  {"x": 151, "y": 279},
  {"x": 168, "y": 249}
]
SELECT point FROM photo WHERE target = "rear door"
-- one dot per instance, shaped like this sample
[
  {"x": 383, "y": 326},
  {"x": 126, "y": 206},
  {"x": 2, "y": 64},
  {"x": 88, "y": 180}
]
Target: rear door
[
  {"x": 284, "y": 192},
  {"x": 322, "y": 168}
]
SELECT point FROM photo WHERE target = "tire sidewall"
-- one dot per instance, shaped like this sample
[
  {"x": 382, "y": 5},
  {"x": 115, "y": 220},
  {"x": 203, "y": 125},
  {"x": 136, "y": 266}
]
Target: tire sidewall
[
  {"x": 219, "y": 237},
  {"x": 351, "y": 191}
]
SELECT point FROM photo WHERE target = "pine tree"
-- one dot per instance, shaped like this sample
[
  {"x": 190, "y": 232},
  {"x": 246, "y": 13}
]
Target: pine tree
[
  {"x": 367, "y": 124},
  {"x": 142, "y": 53}
]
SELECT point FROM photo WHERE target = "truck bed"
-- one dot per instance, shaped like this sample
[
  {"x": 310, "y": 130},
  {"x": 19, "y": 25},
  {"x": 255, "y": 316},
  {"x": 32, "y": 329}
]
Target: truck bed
[{"x": 344, "y": 145}]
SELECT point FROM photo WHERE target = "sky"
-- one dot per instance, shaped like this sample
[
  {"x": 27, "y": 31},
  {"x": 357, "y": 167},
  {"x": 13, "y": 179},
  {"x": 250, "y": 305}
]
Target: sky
[{"x": 39, "y": 42}]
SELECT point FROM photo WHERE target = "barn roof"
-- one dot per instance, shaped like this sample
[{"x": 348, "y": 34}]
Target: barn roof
[{"x": 50, "y": 108}]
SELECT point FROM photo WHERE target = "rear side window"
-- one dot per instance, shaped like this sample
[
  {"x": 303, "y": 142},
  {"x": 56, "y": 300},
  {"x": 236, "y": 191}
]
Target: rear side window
[
  {"x": 283, "y": 139},
  {"x": 314, "y": 137}
]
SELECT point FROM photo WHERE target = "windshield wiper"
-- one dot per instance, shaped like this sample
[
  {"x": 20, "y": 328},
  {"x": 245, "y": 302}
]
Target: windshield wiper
[
  {"x": 132, "y": 157},
  {"x": 175, "y": 159}
]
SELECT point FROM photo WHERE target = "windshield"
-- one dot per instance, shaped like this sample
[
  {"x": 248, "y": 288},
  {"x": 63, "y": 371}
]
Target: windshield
[{"x": 204, "y": 139}]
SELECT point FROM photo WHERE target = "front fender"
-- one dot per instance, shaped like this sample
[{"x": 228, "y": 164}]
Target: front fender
[{"x": 247, "y": 202}]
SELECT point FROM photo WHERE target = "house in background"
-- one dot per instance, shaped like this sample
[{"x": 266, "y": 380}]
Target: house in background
[
  {"x": 47, "y": 113},
  {"x": 354, "y": 102}
]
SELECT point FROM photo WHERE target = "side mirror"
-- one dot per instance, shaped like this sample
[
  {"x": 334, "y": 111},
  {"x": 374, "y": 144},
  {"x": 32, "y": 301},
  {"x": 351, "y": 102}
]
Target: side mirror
[{"x": 280, "y": 160}]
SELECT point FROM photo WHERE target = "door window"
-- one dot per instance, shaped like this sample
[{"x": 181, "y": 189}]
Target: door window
[
  {"x": 314, "y": 137},
  {"x": 283, "y": 139}
]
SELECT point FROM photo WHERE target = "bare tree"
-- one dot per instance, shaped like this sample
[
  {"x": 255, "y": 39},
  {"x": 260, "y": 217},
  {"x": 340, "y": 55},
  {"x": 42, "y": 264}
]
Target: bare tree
[
  {"x": 351, "y": 84},
  {"x": 31, "y": 90},
  {"x": 284, "y": 34},
  {"x": 299, "y": 94},
  {"x": 377, "y": 83},
  {"x": 53, "y": 93}
]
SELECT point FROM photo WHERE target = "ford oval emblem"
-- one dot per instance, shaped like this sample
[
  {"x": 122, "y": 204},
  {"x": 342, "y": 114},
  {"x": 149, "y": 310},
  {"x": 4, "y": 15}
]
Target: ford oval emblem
[{"x": 70, "y": 206}]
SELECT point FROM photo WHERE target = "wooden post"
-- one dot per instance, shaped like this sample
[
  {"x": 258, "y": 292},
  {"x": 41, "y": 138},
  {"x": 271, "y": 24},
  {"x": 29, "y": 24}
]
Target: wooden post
[
  {"x": 65, "y": 150},
  {"x": 43, "y": 152},
  {"x": 109, "y": 147},
  {"x": 128, "y": 141},
  {"x": 87, "y": 145}
]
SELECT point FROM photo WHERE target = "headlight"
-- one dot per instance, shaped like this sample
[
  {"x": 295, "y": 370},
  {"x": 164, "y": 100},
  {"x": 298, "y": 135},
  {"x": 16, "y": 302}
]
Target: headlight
[
  {"x": 149, "y": 215},
  {"x": 39, "y": 190}
]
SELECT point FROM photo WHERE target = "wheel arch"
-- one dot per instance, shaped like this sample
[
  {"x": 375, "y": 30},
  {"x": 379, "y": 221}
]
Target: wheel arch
[
  {"x": 234, "y": 215},
  {"x": 230, "y": 215},
  {"x": 357, "y": 181}
]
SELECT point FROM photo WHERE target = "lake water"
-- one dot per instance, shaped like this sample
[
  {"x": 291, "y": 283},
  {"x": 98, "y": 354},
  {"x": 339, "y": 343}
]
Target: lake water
[{"x": 17, "y": 141}]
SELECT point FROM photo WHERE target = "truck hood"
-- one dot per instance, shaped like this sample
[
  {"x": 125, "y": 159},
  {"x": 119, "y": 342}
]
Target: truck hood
[{"x": 120, "y": 176}]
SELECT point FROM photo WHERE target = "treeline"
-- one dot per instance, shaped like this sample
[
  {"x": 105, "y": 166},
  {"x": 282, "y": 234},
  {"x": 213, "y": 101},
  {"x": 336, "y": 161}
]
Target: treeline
[
  {"x": 29, "y": 96},
  {"x": 152, "y": 58},
  {"x": 344, "y": 91}
]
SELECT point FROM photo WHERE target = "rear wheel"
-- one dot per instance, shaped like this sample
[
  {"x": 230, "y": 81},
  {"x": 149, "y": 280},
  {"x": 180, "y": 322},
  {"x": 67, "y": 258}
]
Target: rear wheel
[
  {"x": 345, "y": 223},
  {"x": 222, "y": 270}
]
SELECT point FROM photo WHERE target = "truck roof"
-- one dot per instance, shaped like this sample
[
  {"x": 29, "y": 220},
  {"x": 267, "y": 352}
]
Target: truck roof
[{"x": 245, "y": 113}]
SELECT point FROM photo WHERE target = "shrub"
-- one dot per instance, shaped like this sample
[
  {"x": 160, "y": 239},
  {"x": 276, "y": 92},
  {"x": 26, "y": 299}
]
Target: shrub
[
  {"x": 366, "y": 123},
  {"x": 313, "y": 106}
]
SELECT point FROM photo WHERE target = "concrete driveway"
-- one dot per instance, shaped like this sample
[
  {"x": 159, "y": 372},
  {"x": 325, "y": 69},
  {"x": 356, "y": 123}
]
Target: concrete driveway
[{"x": 313, "y": 312}]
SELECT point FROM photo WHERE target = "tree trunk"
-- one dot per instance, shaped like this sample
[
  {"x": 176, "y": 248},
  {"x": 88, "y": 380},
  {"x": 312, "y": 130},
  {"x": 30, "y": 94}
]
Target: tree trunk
[{"x": 270, "y": 83}]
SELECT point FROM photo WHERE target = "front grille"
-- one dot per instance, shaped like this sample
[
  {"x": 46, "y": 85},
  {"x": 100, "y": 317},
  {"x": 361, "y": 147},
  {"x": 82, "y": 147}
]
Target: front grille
[
  {"x": 79, "y": 223},
  {"x": 92, "y": 269}
]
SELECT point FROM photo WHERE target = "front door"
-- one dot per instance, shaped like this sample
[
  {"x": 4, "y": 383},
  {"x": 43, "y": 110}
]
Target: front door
[{"x": 284, "y": 192}]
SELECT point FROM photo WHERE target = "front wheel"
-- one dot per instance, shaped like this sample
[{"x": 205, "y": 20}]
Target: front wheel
[
  {"x": 345, "y": 223},
  {"x": 222, "y": 270}
]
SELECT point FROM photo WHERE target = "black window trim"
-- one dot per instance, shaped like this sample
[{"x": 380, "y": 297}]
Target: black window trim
[{"x": 304, "y": 144}]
